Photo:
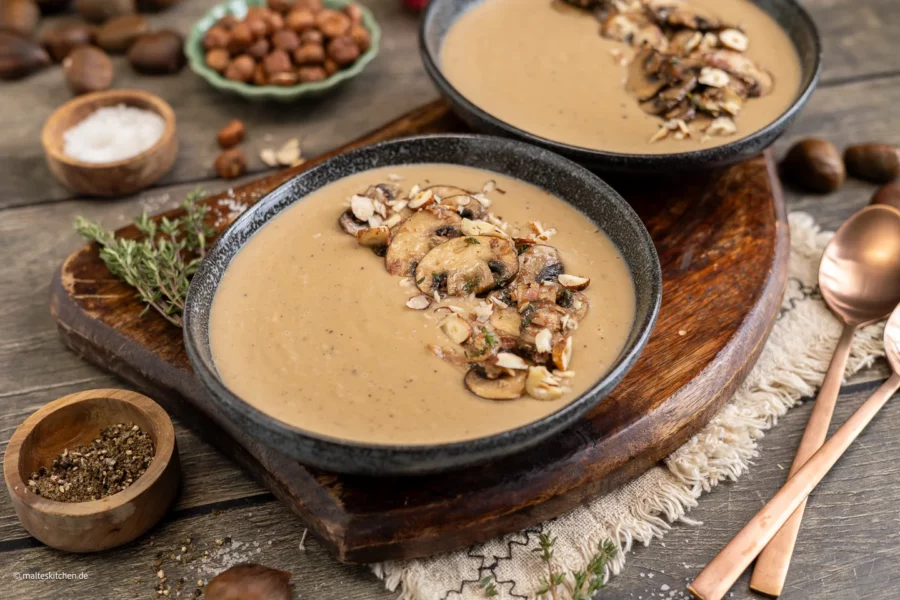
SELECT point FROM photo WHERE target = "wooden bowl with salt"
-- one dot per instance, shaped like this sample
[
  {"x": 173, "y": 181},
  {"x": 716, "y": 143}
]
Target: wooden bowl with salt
[
  {"x": 76, "y": 420},
  {"x": 110, "y": 179}
]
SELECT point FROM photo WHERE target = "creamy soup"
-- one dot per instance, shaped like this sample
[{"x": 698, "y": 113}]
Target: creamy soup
[
  {"x": 309, "y": 327},
  {"x": 548, "y": 71}
]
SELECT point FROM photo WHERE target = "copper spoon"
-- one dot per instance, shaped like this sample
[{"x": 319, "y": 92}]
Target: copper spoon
[
  {"x": 721, "y": 573},
  {"x": 859, "y": 277}
]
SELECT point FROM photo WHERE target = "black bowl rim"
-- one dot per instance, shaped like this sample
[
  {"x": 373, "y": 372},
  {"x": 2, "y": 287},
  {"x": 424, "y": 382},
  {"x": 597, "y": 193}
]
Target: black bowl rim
[
  {"x": 703, "y": 157},
  {"x": 461, "y": 453}
]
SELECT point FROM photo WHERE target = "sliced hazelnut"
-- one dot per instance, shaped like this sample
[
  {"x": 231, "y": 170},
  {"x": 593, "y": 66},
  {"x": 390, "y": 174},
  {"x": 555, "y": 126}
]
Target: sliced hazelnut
[
  {"x": 360, "y": 36},
  {"x": 456, "y": 328},
  {"x": 543, "y": 341},
  {"x": 300, "y": 20},
  {"x": 507, "y": 387},
  {"x": 542, "y": 385},
  {"x": 231, "y": 163},
  {"x": 878, "y": 163},
  {"x": 421, "y": 199},
  {"x": 420, "y": 302},
  {"x": 286, "y": 40},
  {"x": 241, "y": 69},
  {"x": 309, "y": 54},
  {"x": 478, "y": 227},
  {"x": 332, "y": 23},
  {"x": 289, "y": 153},
  {"x": 310, "y": 74},
  {"x": 814, "y": 164},
  {"x": 508, "y": 360},
  {"x": 467, "y": 265},
  {"x": 734, "y": 40},
  {"x": 278, "y": 61},
  {"x": 362, "y": 207},
  {"x": 562, "y": 353},
  {"x": 232, "y": 134},
  {"x": 218, "y": 59},
  {"x": 713, "y": 77},
  {"x": 721, "y": 126},
  {"x": 573, "y": 282},
  {"x": 374, "y": 237},
  {"x": 343, "y": 50}
]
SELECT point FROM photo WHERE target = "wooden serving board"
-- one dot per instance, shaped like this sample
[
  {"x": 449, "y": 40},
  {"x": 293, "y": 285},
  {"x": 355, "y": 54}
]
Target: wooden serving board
[{"x": 722, "y": 239}]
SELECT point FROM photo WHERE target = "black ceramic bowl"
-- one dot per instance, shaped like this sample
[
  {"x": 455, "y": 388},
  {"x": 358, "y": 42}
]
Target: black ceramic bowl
[
  {"x": 557, "y": 175},
  {"x": 442, "y": 14}
]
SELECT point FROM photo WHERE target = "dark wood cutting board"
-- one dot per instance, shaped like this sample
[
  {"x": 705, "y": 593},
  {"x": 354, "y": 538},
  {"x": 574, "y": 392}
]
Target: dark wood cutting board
[{"x": 722, "y": 238}]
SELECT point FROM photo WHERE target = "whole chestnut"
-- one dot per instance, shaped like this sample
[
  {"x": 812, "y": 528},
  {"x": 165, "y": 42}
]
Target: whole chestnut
[
  {"x": 218, "y": 59},
  {"x": 157, "y": 53},
  {"x": 814, "y": 164},
  {"x": 99, "y": 11},
  {"x": 332, "y": 23},
  {"x": 21, "y": 16},
  {"x": 60, "y": 39},
  {"x": 216, "y": 36},
  {"x": 889, "y": 193},
  {"x": 117, "y": 34},
  {"x": 343, "y": 50},
  {"x": 259, "y": 49},
  {"x": 281, "y": 6},
  {"x": 285, "y": 40},
  {"x": 308, "y": 74},
  {"x": 309, "y": 54},
  {"x": 20, "y": 55},
  {"x": 241, "y": 38},
  {"x": 278, "y": 61},
  {"x": 312, "y": 36},
  {"x": 361, "y": 37},
  {"x": 241, "y": 69},
  {"x": 878, "y": 163},
  {"x": 300, "y": 19},
  {"x": 88, "y": 69}
]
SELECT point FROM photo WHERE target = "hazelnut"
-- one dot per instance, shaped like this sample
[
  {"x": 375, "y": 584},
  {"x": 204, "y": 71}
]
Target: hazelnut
[
  {"x": 312, "y": 36},
  {"x": 259, "y": 75},
  {"x": 887, "y": 194},
  {"x": 259, "y": 26},
  {"x": 300, "y": 20},
  {"x": 228, "y": 21},
  {"x": 257, "y": 12},
  {"x": 241, "y": 69},
  {"x": 313, "y": 5},
  {"x": 21, "y": 16},
  {"x": 332, "y": 23},
  {"x": 281, "y": 6},
  {"x": 361, "y": 37},
  {"x": 99, "y": 11},
  {"x": 331, "y": 67},
  {"x": 60, "y": 40},
  {"x": 21, "y": 56},
  {"x": 286, "y": 40},
  {"x": 275, "y": 22},
  {"x": 309, "y": 54},
  {"x": 277, "y": 62},
  {"x": 878, "y": 163},
  {"x": 284, "y": 79},
  {"x": 308, "y": 74},
  {"x": 232, "y": 134},
  {"x": 241, "y": 38},
  {"x": 218, "y": 59},
  {"x": 88, "y": 69},
  {"x": 342, "y": 50},
  {"x": 216, "y": 37},
  {"x": 231, "y": 163},
  {"x": 117, "y": 35},
  {"x": 354, "y": 12},
  {"x": 814, "y": 164},
  {"x": 259, "y": 49}
]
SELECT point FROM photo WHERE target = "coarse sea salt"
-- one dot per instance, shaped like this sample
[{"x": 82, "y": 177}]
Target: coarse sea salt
[{"x": 113, "y": 133}]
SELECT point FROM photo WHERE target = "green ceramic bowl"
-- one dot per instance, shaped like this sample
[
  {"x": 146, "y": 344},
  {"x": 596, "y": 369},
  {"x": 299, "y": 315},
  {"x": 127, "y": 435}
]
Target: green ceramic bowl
[{"x": 193, "y": 48}]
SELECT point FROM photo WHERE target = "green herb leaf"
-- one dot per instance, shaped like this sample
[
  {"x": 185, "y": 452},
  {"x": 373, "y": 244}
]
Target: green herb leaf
[{"x": 471, "y": 240}]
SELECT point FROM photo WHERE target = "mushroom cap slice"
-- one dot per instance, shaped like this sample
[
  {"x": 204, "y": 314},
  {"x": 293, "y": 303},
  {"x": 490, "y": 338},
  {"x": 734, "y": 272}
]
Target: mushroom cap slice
[
  {"x": 350, "y": 224},
  {"x": 643, "y": 80},
  {"x": 414, "y": 237},
  {"x": 508, "y": 387},
  {"x": 537, "y": 263},
  {"x": 467, "y": 265},
  {"x": 678, "y": 13},
  {"x": 759, "y": 81},
  {"x": 466, "y": 205}
]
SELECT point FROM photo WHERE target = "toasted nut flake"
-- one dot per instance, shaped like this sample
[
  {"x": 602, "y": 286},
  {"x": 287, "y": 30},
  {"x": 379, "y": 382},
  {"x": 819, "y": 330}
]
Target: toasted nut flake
[
  {"x": 414, "y": 190},
  {"x": 693, "y": 42},
  {"x": 721, "y": 126},
  {"x": 374, "y": 237},
  {"x": 456, "y": 328},
  {"x": 499, "y": 302},
  {"x": 489, "y": 187},
  {"x": 362, "y": 207},
  {"x": 543, "y": 341},
  {"x": 542, "y": 385},
  {"x": 420, "y": 302},
  {"x": 267, "y": 155},
  {"x": 393, "y": 220},
  {"x": 289, "y": 153},
  {"x": 734, "y": 40},
  {"x": 422, "y": 199},
  {"x": 462, "y": 200},
  {"x": 562, "y": 353},
  {"x": 573, "y": 282},
  {"x": 380, "y": 208},
  {"x": 395, "y": 177},
  {"x": 473, "y": 228},
  {"x": 508, "y": 360},
  {"x": 398, "y": 205},
  {"x": 375, "y": 221},
  {"x": 457, "y": 309},
  {"x": 661, "y": 134},
  {"x": 483, "y": 311},
  {"x": 483, "y": 200},
  {"x": 713, "y": 77},
  {"x": 564, "y": 374}
]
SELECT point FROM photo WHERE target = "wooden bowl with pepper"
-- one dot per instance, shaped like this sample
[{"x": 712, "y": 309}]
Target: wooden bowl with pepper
[{"x": 93, "y": 470}]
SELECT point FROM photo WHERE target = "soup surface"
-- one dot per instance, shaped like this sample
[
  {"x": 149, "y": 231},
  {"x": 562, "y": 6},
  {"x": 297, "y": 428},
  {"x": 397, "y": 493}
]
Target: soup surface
[
  {"x": 310, "y": 328},
  {"x": 547, "y": 71}
]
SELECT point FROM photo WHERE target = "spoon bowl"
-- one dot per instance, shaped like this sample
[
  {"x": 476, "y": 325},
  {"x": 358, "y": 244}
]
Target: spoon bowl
[{"x": 859, "y": 275}]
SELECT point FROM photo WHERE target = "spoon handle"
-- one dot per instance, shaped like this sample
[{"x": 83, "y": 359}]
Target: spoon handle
[
  {"x": 721, "y": 573},
  {"x": 771, "y": 568}
]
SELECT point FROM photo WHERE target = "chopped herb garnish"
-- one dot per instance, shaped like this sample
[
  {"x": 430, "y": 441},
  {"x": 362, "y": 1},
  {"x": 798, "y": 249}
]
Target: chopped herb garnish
[
  {"x": 471, "y": 284},
  {"x": 489, "y": 337},
  {"x": 528, "y": 315},
  {"x": 565, "y": 298},
  {"x": 419, "y": 281},
  {"x": 471, "y": 240},
  {"x": 490, "y": 588}
]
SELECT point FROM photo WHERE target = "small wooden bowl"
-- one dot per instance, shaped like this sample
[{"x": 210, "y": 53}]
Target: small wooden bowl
[
  {"x": 97, "y": 524},
  {"x": 119, "y": 178}
]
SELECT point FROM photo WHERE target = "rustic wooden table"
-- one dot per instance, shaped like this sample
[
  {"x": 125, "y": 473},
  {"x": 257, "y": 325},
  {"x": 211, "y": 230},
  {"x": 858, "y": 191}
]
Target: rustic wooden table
[{"x": 850, "y": 545}]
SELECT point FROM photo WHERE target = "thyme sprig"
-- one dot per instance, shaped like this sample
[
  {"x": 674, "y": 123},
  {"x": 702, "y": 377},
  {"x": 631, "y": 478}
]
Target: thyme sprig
[
  {"x": 160, "y": 264},
  {"x": 579, "y": 585},
  {"x": 489, "y": 587}
]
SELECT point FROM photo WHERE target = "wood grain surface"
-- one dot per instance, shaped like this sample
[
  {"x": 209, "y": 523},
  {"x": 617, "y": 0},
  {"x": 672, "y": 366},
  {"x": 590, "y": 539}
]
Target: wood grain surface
[{"x": 850, "y": 543}]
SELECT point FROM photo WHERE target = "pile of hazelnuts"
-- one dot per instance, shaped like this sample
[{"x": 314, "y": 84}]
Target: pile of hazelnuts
[{"x": 287, "y": 42}]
